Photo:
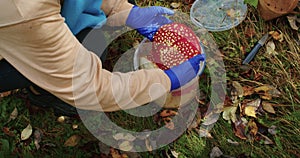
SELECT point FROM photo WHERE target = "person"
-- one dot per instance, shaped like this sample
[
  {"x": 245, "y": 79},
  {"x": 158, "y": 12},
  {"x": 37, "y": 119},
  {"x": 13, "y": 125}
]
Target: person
[{"x": 38, "y": 43}]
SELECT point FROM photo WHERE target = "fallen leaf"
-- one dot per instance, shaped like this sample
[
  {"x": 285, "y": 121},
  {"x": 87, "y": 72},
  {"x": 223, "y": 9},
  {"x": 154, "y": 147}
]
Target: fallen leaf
[
  {"x": 253, "y": 127},
  {"x": 126, "y": 145},
  {"x": 13, "y": 115},
  {"x": 148, "y": 145},
  {"x": 250, "y": 111},
  {"x": 293, "y": 22},
  {"x": 61, "y": 119},
  {"x": 267, "y": 92},
  {"x": 5, "y": 94},
  {"x": 267, "y": 141},
  {"x": 175, "y": 154},
  {"x": 248, "y": 90},
  {"x": 167, "y": 113},
  {"x": 37, "y": 138},
  {"x": 239, "y": 129},
  {"x": 250, "y": 32},
  {"x": 215, "y": 152},
  {"x": 229, "y": 113},
  {"x": 8, "y": 132},
  {"x": 239, "y": 88},
  {"x": 272, "y": 130},
  {"x": 115, "y": 154},
  {"x": 169, "y": 123},
  {"x": 26, "y": 132},
  {"x": 277, "y": 36},
  {"x": 124, "y": 136},
  {"x": 250, "y": 108},
  {"x": 204, "y": 133},
  {"x": 268, "y": 107},
  {"x": 75, "y": 126},
  {"x": 175, "y": 5},
  {"x": 235, "y": 143},
  {"x": 271, "y": 48},
  {"x": 72, "y": 141}
]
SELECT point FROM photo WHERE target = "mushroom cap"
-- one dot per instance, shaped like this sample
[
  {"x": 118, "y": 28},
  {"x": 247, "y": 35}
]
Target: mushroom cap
[{"x": 173, "y": 44}]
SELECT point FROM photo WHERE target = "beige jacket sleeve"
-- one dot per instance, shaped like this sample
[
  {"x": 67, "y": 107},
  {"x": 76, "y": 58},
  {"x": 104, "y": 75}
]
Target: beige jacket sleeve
[
  {"x": 40, "y": 46},
  {"x": 117, "y": 11}
]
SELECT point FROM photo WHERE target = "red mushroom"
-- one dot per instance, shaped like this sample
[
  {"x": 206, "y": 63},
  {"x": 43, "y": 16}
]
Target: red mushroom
[{"x": 173, "y": 44}]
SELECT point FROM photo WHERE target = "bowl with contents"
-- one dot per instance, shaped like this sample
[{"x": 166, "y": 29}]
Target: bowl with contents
[
  {"x": 172, "y": 45},
  {"x": 218, "y": 15}
]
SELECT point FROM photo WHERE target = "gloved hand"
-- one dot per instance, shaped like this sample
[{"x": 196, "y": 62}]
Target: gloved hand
[
  {"x": 148, "y": 20},
  {"x": 183, "y": 73}
]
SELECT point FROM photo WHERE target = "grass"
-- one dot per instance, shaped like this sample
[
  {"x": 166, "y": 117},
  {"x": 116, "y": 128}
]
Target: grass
[{"x": 281, "y": 71}]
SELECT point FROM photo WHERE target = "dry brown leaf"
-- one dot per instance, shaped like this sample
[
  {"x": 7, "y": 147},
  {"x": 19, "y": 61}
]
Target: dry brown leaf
[
  {"x": 238, "y": 87},
  {"x": 148, "y": 145},
  {"x": 175, "y": 5},
  {"x": 13, "y": 115},
  {"x": 267, "y": 140},
  {"x": 277, "y": 36},
  {"x": 268, "y": 107},
  {"x": 267, "y": 92},
  {"x": 253, "y": 127},
  {"x": 271, "y": 48},
  {"x": 215, "y": 152},
  {"x": 72, "y": 141},
  {"x": 235, "y": 143},
  {"x": 8, "y": 132},
  {"x": 26, "y": 132},
  {"x": 168, "y": 113},
  {"x": 169, "y": 123},
  {"x": 239, "y": 130},
  {"x": 204, "y": 133},
  {"x": 37, "y": 138},
  {"x": 175, "y": 154},
  {"x": 272, "y": 130},
  {"x": 5, "y": 94},
  {"x": 115, "y": 154},
  {"x": 250, "y": 32},
  {"x": 248, "y": 90},
  {"x": 293, "y": 22}
]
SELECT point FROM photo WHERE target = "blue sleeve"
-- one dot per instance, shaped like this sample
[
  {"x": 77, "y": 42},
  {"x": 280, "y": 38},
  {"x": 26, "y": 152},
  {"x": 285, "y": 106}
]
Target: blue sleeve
[{"x": 81, "y": 14}]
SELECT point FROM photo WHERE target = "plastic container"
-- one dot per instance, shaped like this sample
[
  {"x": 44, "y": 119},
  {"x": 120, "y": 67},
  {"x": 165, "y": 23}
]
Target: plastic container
[
  {"x": 218, "y": 15},
  {"x": 175, "y": 98}
]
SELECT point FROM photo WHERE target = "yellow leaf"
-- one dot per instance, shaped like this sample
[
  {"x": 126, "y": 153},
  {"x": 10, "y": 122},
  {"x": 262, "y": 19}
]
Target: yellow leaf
[
  {"x": 276, "y": 36},
  {"x": 126, "y": 145},
  {"x": 250, "y": 111},
  {"x": 72, "y": 141},
  {"x": 26, "y": 133},
  {"x": 268, "y": 107},
  {"x": 229, "y": 113}
]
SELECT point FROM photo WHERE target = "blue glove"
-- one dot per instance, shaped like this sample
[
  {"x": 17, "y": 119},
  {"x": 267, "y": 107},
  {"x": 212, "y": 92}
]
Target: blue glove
[
  {"x": 183, "y": 73},
  {"x": 148, "y": 20}
]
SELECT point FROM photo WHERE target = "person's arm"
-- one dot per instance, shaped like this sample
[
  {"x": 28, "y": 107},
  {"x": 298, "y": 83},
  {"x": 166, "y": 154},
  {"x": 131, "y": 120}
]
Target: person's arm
[{"x": 117, "y": 11}]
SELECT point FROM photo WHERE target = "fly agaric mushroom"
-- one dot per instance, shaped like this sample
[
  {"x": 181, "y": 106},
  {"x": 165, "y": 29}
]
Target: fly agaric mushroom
[{"x": 173, "y": 44}]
